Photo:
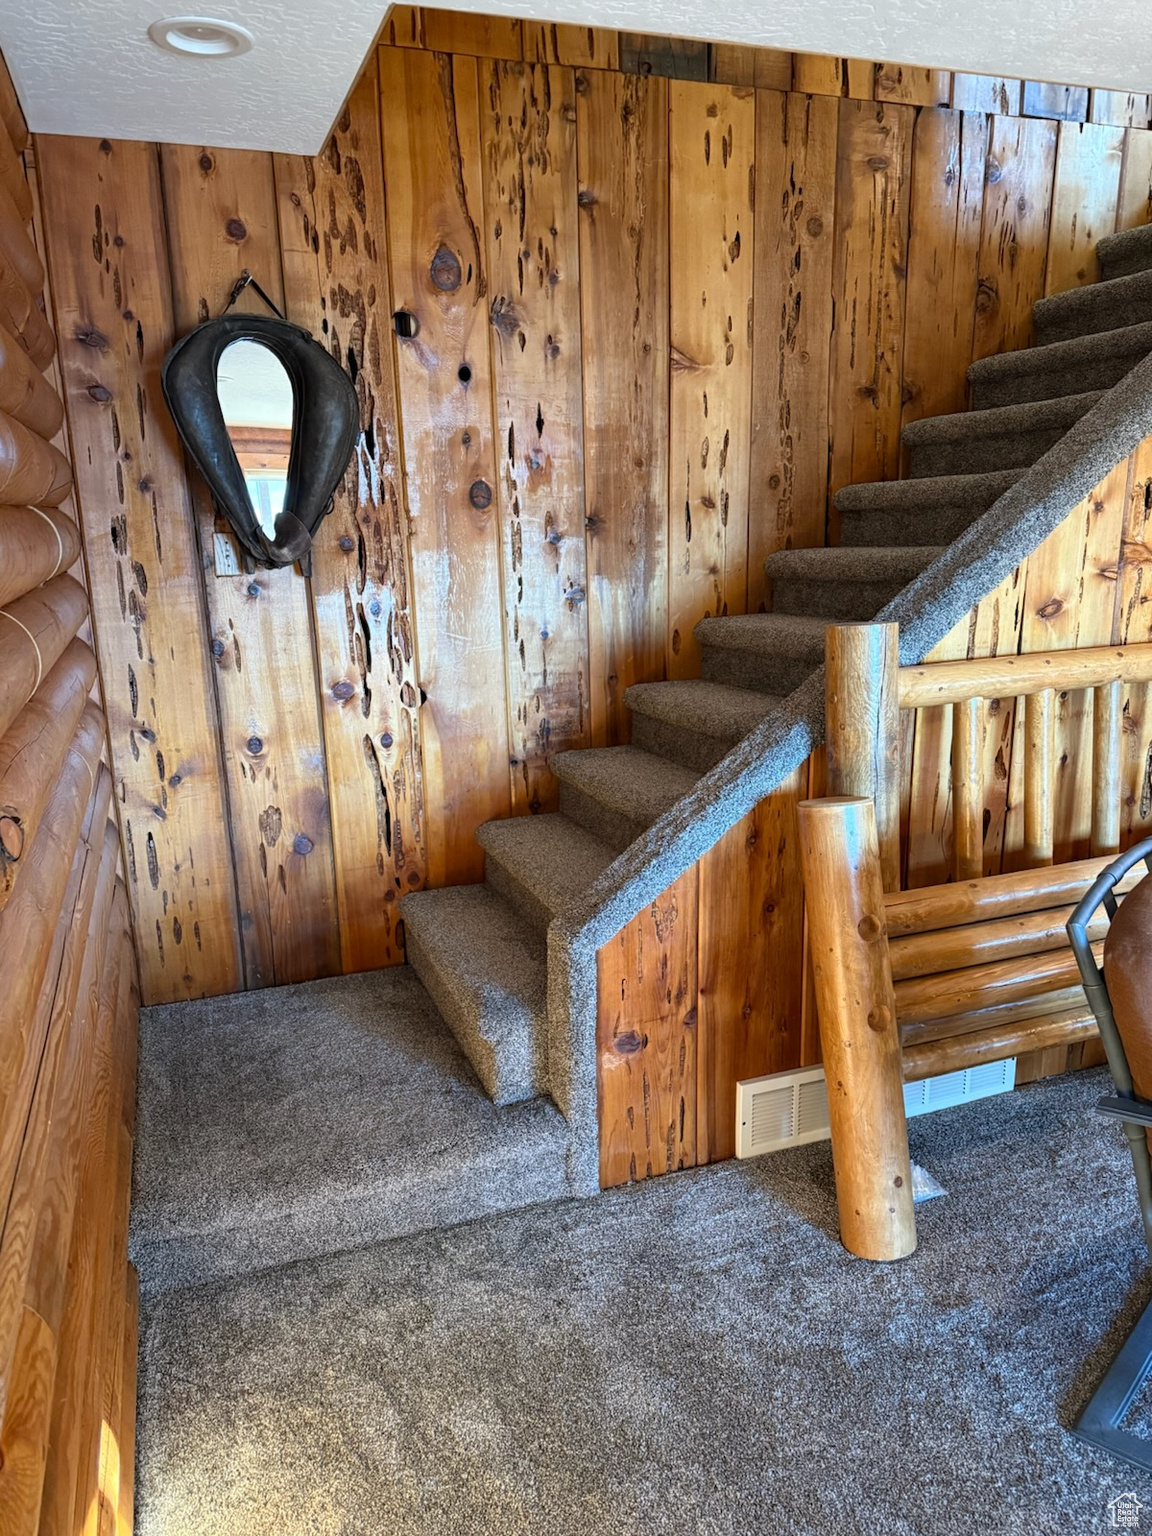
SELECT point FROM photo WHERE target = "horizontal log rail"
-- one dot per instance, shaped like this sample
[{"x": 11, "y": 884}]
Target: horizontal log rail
[
  {"x": 1024, "y": 1008},
  {"x": 1015, "y": 677},
  {"x": 955, "y": 1053},
  {"x": 34, "y": 632},
  {"x": 32, "y": 472},
  {"x": 25, "y": 393}
]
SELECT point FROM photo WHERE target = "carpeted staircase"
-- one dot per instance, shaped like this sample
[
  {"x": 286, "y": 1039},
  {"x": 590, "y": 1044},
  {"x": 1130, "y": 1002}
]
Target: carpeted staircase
[{"x": 481, "y": 950}]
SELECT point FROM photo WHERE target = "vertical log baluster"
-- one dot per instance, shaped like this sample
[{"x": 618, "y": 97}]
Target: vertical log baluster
[
  {"x": 1107, "y": 726},
  {"x": 853, "y": 975},
  {"x": 862, "y": 727},
  {"x": 1039, "y": 729},
  {"x": 967, "y": 790}
]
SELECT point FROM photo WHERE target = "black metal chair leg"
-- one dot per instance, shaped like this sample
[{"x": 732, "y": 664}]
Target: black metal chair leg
[{"x": 1112, "y": 1401}]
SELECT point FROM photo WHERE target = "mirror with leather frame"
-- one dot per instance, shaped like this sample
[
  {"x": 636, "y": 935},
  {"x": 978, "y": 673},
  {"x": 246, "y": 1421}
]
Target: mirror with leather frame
[{"x": 270, "y": 420}]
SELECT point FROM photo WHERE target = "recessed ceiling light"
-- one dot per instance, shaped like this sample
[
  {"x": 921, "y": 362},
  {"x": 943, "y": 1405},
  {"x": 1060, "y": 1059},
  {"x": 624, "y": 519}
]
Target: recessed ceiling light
[{"x": 200, "y": 37}]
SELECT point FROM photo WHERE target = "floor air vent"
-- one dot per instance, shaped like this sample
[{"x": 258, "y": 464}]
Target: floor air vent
[{"x": 789, "y": 1109}]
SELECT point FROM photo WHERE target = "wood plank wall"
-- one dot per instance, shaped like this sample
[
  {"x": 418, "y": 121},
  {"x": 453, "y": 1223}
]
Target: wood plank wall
[
  {"x": 529, "y": 526},
  {"x": 68, "y": 1304}
]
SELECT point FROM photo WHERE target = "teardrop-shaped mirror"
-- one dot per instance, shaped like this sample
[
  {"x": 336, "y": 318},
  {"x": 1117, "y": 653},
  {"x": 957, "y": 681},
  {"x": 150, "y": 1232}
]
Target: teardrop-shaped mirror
[{"x": 255, "y": 395}]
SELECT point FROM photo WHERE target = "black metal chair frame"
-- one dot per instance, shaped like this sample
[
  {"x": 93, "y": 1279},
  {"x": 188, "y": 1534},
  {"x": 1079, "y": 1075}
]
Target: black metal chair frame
[{"x": 1100, "y": 1423}]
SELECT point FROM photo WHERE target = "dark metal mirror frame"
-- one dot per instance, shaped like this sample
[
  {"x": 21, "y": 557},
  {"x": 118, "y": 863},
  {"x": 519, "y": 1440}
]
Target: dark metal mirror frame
[{"x": 325, "y": 424}]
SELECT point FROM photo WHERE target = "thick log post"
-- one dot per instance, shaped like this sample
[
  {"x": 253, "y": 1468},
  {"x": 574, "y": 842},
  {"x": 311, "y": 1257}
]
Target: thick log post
[
  {"x": 862, "y": 727},
  {"x": 849, "y": 944},
  {"x": 1107, "y": 732},
  {"x": 1039, "y": 751},
  {"x": 967, "y": 791}
]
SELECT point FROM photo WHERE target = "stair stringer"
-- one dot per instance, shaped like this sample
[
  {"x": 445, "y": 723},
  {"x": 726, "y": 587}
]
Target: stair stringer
[{"x": 969, "y": 570}]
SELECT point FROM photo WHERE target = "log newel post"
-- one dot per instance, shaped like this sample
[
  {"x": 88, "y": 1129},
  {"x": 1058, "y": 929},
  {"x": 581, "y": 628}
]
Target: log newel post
[
  {"x": 862, "y": 727},
  {"x": 857, "y": 1009}
]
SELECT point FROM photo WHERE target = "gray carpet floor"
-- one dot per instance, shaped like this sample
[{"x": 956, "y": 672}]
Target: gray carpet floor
[
  {"x": 301, "y": 1120},
  {"x": 694, "y": 1355}
]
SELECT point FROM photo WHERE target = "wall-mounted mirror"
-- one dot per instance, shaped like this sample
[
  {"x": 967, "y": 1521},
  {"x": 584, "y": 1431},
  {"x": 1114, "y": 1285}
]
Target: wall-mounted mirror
[
  {"x": 255, "y": 395},
  {"x": 270, "y": 420}
]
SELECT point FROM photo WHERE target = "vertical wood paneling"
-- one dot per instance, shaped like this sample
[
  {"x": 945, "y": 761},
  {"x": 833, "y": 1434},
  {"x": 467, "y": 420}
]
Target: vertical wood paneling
[
  {"x": 1085, "y": 198},
  {"x": 336, "y": 283},
  {"x": 765, "y": 69},
  {"x": 915, "y": 86},
  {"x": 432, "y": 169},
  {"x": 792, "y": 320},
  {"x": 534, "y": 274},
  {"x": 221, "y": 212},
  {"x": 751, "y": 937},
  {"x": 986, "y": 93},
  {"x": 1120, "y": 109},
  {"x": 873, "y": 180},
  {"x": 468, "y": 32},
  {"x": 622, "y": 138},
  {"x": 646, "y": 1040},
  {"x": 1135, "y": 205},
  {"x": 943, "y": 247},
  {"x": 712, "y": 135},
  {"x": 108, "y": 259},
  {"x": 1134, "y": 626},
  {"x": 1014, "y": 237},
  {"x": 550, "y": 42},
  {"x": 1068, "y": 102}
]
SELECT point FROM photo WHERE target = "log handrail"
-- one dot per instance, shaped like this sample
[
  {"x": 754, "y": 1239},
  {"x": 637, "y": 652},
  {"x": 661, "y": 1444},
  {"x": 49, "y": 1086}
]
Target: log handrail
[{"x": 1017, "y": 676}]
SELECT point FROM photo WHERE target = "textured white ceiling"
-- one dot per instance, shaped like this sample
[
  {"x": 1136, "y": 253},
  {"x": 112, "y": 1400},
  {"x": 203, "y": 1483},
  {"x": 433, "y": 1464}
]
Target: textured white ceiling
[{"x": 87, "y": 67}]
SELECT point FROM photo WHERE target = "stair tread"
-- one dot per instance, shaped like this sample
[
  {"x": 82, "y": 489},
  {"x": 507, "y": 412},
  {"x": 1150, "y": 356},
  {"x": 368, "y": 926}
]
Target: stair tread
[
  {"x": 1062, "y": 354},
  {"x": 1076, "y": 306},
  {"x": 551, "y": 856},
  {"x": 795, "y": 635},
  {"x": 1126, "y": 247},
  {"x": 999, "y": 420},
  {"x": 489, "y": 981},
  {"x": 843, "y": 563},
  {"x": 638, "y": 785},
  {"x": 709, "y": 709},
  {"x": 928, "y": 492}
]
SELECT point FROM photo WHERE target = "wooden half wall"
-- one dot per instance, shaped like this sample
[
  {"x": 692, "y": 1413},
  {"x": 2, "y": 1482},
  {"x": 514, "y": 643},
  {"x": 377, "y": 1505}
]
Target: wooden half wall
[
  {"x": 70, "y": 995},
  {"x": 647, "y": 326}
]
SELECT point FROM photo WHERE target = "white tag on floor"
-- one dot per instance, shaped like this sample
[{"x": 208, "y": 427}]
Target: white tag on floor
[{"x": 924, "y": 1186}]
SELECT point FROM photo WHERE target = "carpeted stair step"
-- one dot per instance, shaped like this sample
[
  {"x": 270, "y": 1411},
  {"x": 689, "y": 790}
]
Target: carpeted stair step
[
  {"x": 1125, "y": 253},
  {"x": 769, "y": 652},
  {"x": 1096, "y": 361},
  {"x": 1106, "y": 306},
  {"x": 851, "y": 585},
  {"x": 618, "y": 792},
  {"x": 915, "y": 512},
  {"x": 485, "y": 971},
  {"x": 540, "y": 863},
  {"x": 1004, "y": 437},
  {"x": 694, "y": 722}
]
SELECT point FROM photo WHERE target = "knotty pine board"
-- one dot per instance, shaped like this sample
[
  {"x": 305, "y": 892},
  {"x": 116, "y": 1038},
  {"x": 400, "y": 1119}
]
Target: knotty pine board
[
  {"x": 333, "y": 243},
  {"x": 221, "y": 212},
  {"x": 1134, "y": 626},
  {"x": 792, "y": 321},
  {"x": 622, "y": 137},
  {"x": 912, "y": 85},
  {"x": 712, "y": 136},
  {"x": 108, "y": 258},
  {"x": 1085, "y": 202},
  {"x": 873, "y": 185},
  {"x": 551, "y": 42},
  {"x": 646, "y": 1040},
  {"x": 1014, "y": 235},
  {"x": 433, "y": 179},
  {"x": 528, "y": 127}
]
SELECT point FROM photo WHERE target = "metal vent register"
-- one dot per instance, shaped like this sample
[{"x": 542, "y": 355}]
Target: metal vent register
[{"x": 788, "y": 1109}]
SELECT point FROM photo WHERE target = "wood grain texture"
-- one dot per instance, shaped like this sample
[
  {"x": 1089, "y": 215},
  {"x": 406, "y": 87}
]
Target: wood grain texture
[
  {"x": 1014, "y": 236},
  {"x": 646, "y": 1040},
  {"x": 749, "y": 984},
  {"x": 467, "y": 32},
  {"x": 621, "y": 125},
  {"x": 765, "y": 69},
  {"x": 529, "y": 141},
  {"x": 107, "y": 259},
  {"x": 792, "y": 321},
  {"x": 913, "y": 85},
  {"x": 221, "y": 218},
  {"x": 433, "y": 174},
  {"x": 1085, "y": 199},
  {"x": 1056, "y": 102},
  {"x": 712, "y": 139},
  {"x": 873, "y": 183},
  {"x": 986, "y": 93},
  {"x": 550, "y": 42},
  {"x": 1120, "y": 109},
  {"x": 333, "y": 242}
]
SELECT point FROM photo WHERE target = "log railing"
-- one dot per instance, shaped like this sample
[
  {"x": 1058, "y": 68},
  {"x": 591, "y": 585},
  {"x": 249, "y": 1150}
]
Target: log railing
[
  {"x": 914, "y": 983},
  {"x": 69, "y": 999}
]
